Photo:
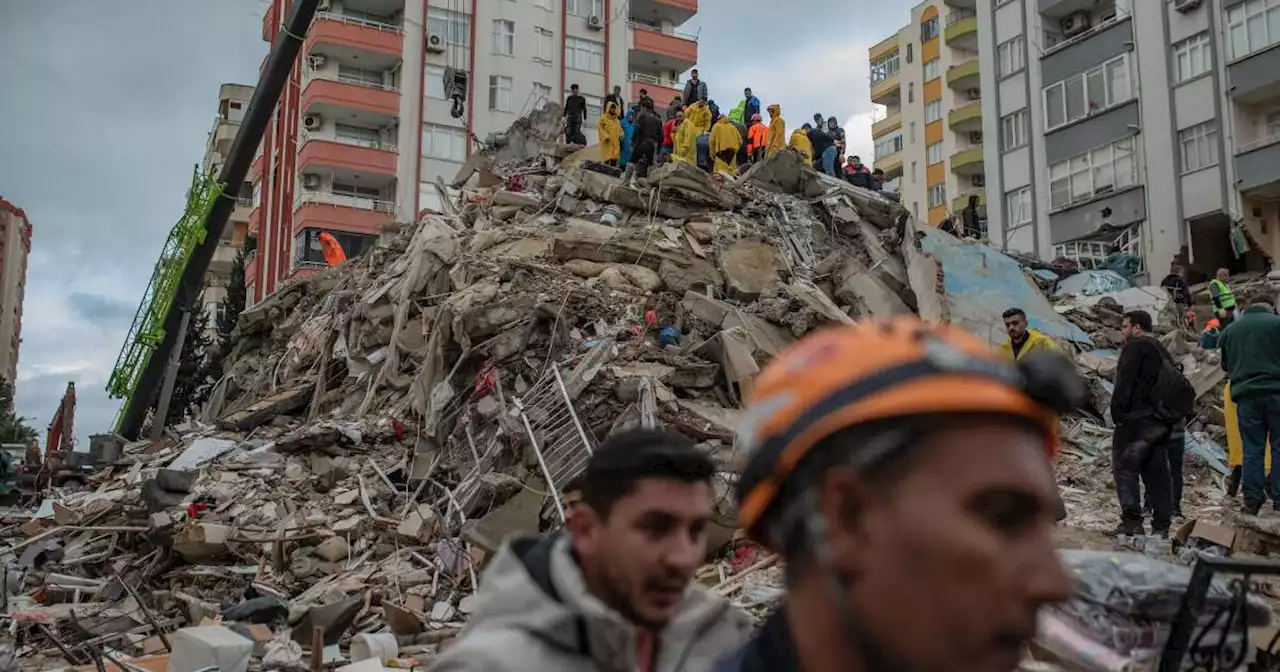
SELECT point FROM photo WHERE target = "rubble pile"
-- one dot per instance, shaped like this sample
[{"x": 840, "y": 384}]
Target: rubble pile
[{"x": 383, "y": 425}]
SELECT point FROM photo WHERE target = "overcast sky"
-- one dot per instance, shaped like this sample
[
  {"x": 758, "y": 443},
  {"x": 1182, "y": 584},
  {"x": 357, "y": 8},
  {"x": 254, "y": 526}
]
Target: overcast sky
[{"x": 112, "y": 104}]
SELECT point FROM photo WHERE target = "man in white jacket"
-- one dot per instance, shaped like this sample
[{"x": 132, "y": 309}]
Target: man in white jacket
[{"x": 612, "y": 594}]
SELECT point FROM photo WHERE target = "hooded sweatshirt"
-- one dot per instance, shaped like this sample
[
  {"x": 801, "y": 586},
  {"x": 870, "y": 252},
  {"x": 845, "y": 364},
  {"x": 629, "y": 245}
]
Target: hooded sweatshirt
[{"x": 534, "y": 614}]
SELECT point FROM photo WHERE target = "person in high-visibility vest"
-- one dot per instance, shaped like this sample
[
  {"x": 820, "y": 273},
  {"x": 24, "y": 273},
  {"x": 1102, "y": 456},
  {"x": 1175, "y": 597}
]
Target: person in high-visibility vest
[
  {"x": 1224, "y": 301},
  {"x": 1235, "y": 444}
]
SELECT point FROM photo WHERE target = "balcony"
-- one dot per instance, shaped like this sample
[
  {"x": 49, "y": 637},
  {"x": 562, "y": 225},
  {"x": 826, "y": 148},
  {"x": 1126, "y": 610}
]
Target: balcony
[
  {"x": 653, "y": 49},
  {"x": 224, "y": 256},
  {"x": 890, "y": 123},
  {"x": 965, "y": 76},
  {"x": 250, "y": 273},
  {"x": 883, "y": 48},
  {"x": 223, "y": 134},
  {"x": 962, "y": 4},
  {"x": 887, "y": 91},
  {"x": 255, "y": 220},
  {"x": 962, "y": 201},
  {"x": 255, "y": 169},
  {"x": 350, "y": 160},
  {"x": 962, "y": 30},
  {"x": 1252, "y": 79},
  {"x": 967, "y": 161},
  {"x": 660, "y": 89},
  {"x": 1258, "y": 168},
  {"x": 372, "y": 44},
  {"x": 966, "y": 118},
  {"x": 675, "y": 11},
  {"x": 341, "y": 212},
  {"x": 359, "y": 102},
  {"x": 891, "y": 165},
  {"x": 242, "y": 211}
]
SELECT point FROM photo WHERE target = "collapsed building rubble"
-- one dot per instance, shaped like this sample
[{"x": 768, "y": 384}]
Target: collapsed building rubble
[{"x": 383, "y": 425}]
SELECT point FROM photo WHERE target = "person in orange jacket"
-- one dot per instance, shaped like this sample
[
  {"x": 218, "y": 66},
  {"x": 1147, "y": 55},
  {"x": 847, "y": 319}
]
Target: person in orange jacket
[{"x": 757, "y": 139}]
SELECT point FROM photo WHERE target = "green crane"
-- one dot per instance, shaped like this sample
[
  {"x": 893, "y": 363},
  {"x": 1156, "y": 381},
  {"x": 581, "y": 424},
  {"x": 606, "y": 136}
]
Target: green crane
[{"x": 147, "y": 331}]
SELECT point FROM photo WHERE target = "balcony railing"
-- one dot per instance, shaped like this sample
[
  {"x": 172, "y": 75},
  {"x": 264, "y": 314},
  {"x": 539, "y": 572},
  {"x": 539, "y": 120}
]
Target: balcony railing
[
  {"x": 344, "y": 200},
  {"x": 960, "y": 15},
  {"x": 376, "y": 25},
  {"x": 354, "y": 142},
  {"x": 655, "y": 29},
  {"x": 1259, "y": 143},
  {"x": 650, "y": 79},
  {"x": 309, "y": 74},
  {"x": 1055, "y": 41},
  {"x": 244, "y": 202}
]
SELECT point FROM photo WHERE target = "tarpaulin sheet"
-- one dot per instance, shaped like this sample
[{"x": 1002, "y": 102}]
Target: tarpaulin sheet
[{"x": 981, "y": 283}]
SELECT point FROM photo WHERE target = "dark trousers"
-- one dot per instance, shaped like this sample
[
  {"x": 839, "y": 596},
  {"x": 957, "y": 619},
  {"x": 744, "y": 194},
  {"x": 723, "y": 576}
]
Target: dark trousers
[
  {"x": 1259, "y": 420},
  {"x": 1175, "y": 447},
  {"x": 1139, "y": 450},
  {"x": 642, "y": 156},
  {"x": 573, "y": 132}
]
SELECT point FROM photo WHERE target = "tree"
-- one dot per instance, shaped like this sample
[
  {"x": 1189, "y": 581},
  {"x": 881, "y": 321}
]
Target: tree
[
  {"x": 13, "y": 427},
  {"x": 233, "y": 304},
  {"x": 192, "y": 379}
]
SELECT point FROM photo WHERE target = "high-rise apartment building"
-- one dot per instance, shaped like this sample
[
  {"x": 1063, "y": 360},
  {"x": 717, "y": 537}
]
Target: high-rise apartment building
[
  {"x": 1136, "y": 126},
  {"x": 233, "y": 101},
  {"x": 365, "y": 127},
  {"x": 15, "y": 246},
  {"x": 929, "y": 140}
]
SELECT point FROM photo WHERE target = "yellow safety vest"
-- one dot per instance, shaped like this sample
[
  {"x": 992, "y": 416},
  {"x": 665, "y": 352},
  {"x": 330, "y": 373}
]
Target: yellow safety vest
[{"x": 1225, "y": 297}]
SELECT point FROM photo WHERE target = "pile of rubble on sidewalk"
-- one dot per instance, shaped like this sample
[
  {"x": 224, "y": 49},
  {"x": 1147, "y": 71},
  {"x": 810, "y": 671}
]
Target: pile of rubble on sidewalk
[{"x": 383, "y": 425}]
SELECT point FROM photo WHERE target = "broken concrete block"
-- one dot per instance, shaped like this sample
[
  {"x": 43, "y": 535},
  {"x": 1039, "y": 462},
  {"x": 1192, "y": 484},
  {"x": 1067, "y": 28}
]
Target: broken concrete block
[
  {"x": 703, "y": 232},
  {"x": 696, "y": 275},
  {"x": 198, "y": 542},
  {"x": 749, "y": 267},
  {"x": 333, "y": 549},
  {"x": 518, "y": 516},
  {"x": 174, "y": 480},
  {"x": 641, "y": 277},
  {"x": 584, "y": 268},
  {"x": 209, "y": 647},
  {"x": 612, "y": 277},
  {"x": 263, "y": 410}
]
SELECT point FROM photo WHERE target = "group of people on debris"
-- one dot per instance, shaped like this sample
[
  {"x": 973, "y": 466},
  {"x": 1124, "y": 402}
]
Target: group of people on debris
[{"x": 693, "y": 130}]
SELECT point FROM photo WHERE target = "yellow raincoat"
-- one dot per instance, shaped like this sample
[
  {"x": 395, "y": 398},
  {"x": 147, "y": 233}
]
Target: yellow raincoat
[
  {"x": 610, "y": 132},
  {"x": 1235, "y": 444},
  {"x": 1035, "y": 341},
  {"x": 800, "y": 143},
  {"x": 725, "y": 137},
  {"x": 685, "y": 142},
  {"x": 700, "y": 115},
  {"x": 777, "y": 131}
]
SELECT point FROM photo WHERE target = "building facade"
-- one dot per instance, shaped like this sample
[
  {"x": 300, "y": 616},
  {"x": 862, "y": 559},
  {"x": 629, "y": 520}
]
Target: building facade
[
  {"x": 1134, "y": 126},
  {"x": 233, "y": 101},
  {"x": 365, "y": 126},
  {"x": 15, "y": 247},
  {"x": 929, "y": 139}
]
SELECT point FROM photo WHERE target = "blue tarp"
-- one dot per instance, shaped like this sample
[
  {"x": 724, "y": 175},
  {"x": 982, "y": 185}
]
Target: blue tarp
[
  {"x": 1093, "y": 283},
  {"x": 981, "y": 283}
]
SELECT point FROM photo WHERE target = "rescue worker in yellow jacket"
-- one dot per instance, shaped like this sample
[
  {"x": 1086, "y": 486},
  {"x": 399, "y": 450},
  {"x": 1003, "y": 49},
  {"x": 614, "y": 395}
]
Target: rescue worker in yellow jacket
[
  {"x": 685, "y": 141},
  {"x": 1022, "y": 340},
  {"x": 725, "y": 142},
  {"x": 777, "y": 131},
  {"x": 700, "y": 115},
  {"x": 800, "y": 143},
  {"x": 610, "y": 132}
]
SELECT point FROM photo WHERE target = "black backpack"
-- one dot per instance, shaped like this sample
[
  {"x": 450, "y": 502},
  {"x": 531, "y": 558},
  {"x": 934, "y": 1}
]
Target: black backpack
[{"x": 1174, "y": 396}]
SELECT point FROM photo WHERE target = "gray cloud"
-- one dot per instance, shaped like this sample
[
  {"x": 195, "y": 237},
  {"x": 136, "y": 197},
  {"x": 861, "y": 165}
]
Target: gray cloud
[{"x": 110, "y": 108}]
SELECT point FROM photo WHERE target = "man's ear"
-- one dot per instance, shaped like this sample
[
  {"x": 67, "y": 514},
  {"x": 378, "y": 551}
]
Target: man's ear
[
  {"x": 843, "y": 500},
  {"x": 584, "y": 526}
]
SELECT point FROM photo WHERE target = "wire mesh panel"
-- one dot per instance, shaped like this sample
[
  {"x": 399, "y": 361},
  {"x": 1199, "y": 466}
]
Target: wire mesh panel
[{"x": 562, "y": 445}]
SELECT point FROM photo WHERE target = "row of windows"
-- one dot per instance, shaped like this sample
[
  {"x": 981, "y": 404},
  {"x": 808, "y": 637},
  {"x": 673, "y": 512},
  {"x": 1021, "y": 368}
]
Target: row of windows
[
  {"x": 1091, "y": 174},
  {"x": 1252, "y": 26},
  {"x": 889, "y": 144},
  {"x": 579, "y": 54},
  {"x": 885, "y": 67},
  {"x": 1086, "y": 93}
]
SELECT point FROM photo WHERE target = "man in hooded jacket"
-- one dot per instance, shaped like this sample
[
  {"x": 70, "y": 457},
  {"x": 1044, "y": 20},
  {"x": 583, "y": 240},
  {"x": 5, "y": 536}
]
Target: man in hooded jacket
[
  {"x": 615, "y": 592},
  {"x": 777, "y": 131},
  {"x": 725, "y": 142},
  {"x": 610, "y": 135}
]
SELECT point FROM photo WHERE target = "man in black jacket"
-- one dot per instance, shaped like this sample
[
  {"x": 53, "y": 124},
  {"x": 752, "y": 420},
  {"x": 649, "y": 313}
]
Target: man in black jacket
[
  {"x": 575, "y": 110},
  {"x": 646, "y": 138},
  {"x": 1140, "y": 446},
  {"x": 820, "y": 141}
]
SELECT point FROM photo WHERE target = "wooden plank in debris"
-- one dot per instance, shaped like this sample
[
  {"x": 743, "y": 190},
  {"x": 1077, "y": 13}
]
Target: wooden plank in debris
[{"x": 263, "y": 410}]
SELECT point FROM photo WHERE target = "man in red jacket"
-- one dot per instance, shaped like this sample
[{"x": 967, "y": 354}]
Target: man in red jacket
[{"x": 669, "y": 133}]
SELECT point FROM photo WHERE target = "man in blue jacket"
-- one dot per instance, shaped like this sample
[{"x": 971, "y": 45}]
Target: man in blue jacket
[{"x": 751, "y": 104}]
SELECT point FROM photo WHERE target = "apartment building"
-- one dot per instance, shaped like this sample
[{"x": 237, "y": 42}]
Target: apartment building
[
  {"x": 366, "y": 125},
  {"x": 233, "y": 101},
  {"x": 1114, "y": 124},
  {"x": 15, "y": 247},
  {"x": 929, "y": 135}
]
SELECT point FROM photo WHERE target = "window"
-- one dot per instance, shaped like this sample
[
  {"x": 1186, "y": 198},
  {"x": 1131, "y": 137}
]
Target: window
[
  {"x": 306, "y": 245},
  {"x": 933, "y": 154},
  {"x": 937, "y": 194},
  {"x": 1199, "y": 146},
  {"x": 884, "y": 68},
  {"x": 913, "y": 131},
  {"x": 1091, "y": 254},
  {"x": 358, "y": 135},
  {"x": 585, "y": 8},
  {"x": 913, "y": 172},
  {"x": 931, "y": 69},
  {"x": 504, "y": 37},
  {"x": 370, "y": 17},
  {"x": 356, "y": 191},
  {"x": 929, "y": 29},
  {"x": 595, "y": 105},
  {"x": 499, "y": 93},
  {"x": 352, "y": 75},
  {"x": 1192, "y": 56},
  {"x": 1086, "y": 176},
  {"x": 541, "y": 94},
  {"x": 1017, "y": 207},
  {"x": 911, "y": 92},
  {"x": 1273, "y": 125},
  {"x": 889, "y": 144},
  {"x": 435, "y": 82},
  {"x": 1013, "y": 130},
  {"x": 908, "y": 52},
  {"x": 932, "y": 111},
  {"x": 583, "y": 55},
  {"x": 454, "y": 27},
  {"x": 1012, "y": 55},
  {"x": 1252, "y": 26},
  {"x": 1087, "y": 93},
  {"x": 546, "y": 42},
  {"x": 444, "y": 142}
]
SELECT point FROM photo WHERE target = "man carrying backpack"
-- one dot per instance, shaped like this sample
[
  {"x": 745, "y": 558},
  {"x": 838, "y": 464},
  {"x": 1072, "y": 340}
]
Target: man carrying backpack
[{"x": 1151, "y": 397}]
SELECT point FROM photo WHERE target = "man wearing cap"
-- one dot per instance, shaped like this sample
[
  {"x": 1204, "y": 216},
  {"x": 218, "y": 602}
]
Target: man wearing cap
[{"x": 902, "y": 471}]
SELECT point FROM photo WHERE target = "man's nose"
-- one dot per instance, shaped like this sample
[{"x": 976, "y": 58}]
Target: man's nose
[{"x": 686, "y": 552}]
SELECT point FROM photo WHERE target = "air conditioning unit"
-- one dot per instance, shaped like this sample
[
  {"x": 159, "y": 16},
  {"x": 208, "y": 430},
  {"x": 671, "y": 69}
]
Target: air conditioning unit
[
  {"x": 594, "y": 22},
  {"x": 1185, "y": 6},
  {"x": 310, "y": 181},
  {"x": 316, "y": 61},
  {"x": 1075, "y": 23},
  {"x": 975, "y": 137},
  {"x": 323, "y": 6},
  {"x": 311, "y": 122},
  {"x": 435, "y": 44}
]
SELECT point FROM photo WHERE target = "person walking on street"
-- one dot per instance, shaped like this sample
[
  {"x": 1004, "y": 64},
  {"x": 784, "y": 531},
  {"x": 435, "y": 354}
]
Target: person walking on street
[
  {"x": 757, "y": 139},
  {"x": 777, "y": 131},
  {"x": 613, "y": 592},
  {"x": 1224, "y": 301},
  {"x": 902, "y": 471},
  {"x": 1251, "y": 357},
  {"x": 751, "y": 104},
  {"x": 695, "y": 89},
  {"x": 1144, "y": 419},
  {"x": 648, "y": 135},
  {"x": 575, "y": 111}
]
